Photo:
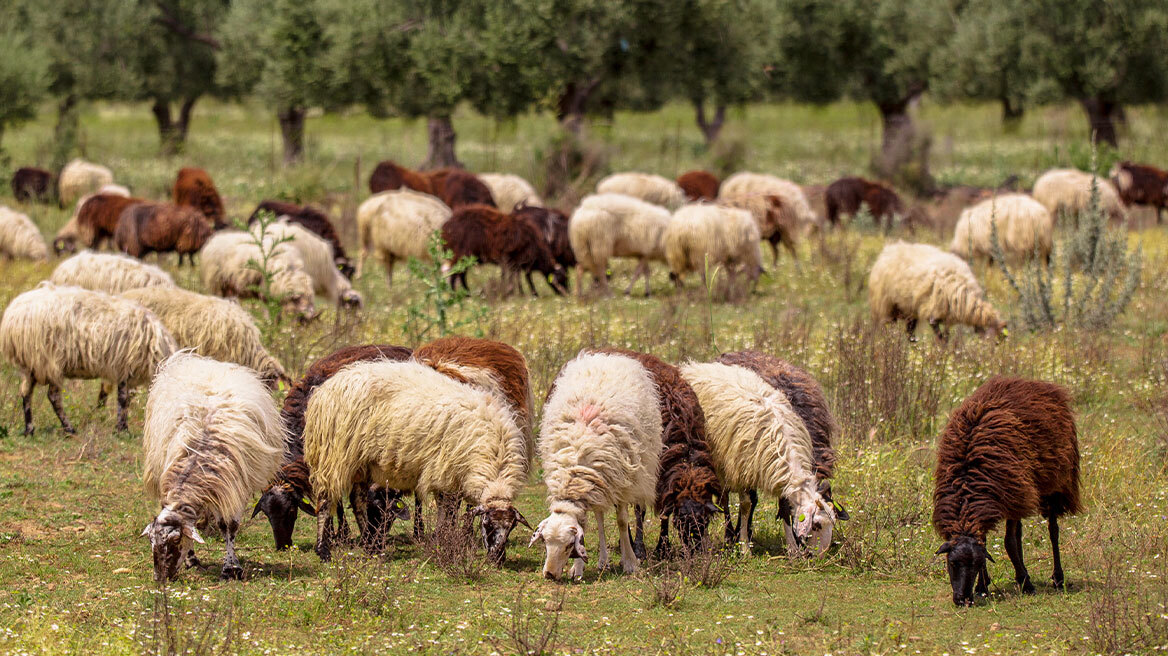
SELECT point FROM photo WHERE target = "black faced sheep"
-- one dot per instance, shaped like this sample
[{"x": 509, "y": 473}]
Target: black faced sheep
[
  {"x": 32, "y": 184},
  {"x": 492, "y": 237},
  {"x": 553, "y": 225}
]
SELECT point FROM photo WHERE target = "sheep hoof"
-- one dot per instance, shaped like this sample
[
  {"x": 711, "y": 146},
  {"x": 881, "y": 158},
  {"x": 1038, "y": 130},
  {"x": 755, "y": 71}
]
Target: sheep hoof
[
  {"x": 1028, "y": 587},
  {"x": 1058, "y": 584},
  {"x": 231, "y": 573},
  {"x": 29, "y": 430}
]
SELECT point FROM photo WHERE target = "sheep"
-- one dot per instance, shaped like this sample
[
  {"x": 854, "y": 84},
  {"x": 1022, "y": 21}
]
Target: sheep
[
  {"x": 437, "y": 179},
  {"x": 464, "y": 188},
  {"x": 283, "y": 498},
  {"x": 645, "y": 186},
  {"x": 409, "y": 427},
  {"x": 78, "y": 178},
  {"x": 312, "y": 219},
  {"x": 699, "y": 185},
  {"x": 32, "y": 184},
  {"x": 553, "y": 225},
  {"x": 1009, "y": 451},
  {"x": 109, "y": 272},
  {"x": 318, "y": 260},
  {"x": 779, "y": 206},
  {"x": 147, "y": 228},
  {"x": 915, "y": 281},
  {"x": 388, "y": 176},
  {"x": 229, "y": 266},
  {"x": 848, "y": 195},
  {"x": 509, "y": 191},
  {"x": 1138, "y": 184},
  {"x": 1025, "y": 229},
  {"x": 600, "y": 443},
  {"x": 218, "y": 328},
  {"x": 20, "y": 237},
  {"x": 398, "y": 224},
  {"x": 701, "y": 236},
  {"x": 1069, "y": 191},
  {"x": 193, "y": 188},
  {"x": 758, "y": 441},
  {"x": 94, "y": 222},
  {"x": 492, "y": 237},
  {"x": 212, "y": 439},
  {"x": 614, "y": 225},
  {"x": 56, "y": 332}
]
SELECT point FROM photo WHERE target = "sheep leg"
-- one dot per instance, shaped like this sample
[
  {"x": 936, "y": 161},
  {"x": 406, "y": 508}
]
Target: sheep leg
[
  {"x": 342, "y": 532},
  {"x": 578, "y": 566},
  {"x": 936, "y": 326},
  {"x": 639, "y": 540},
  {"x": 1052, "y": 523},
  {"x": 642, "y": 269},
  {"x": 419, "y": 524},
  {"x": 102, "y": 395},
  {"x": 724, "y": 501},
  {"x": 231, "y": 567},
  {"x": 530, "y": 284},
  {"x": 910, "y": 327},
  {"x": 26, "y": 388},
  {"x": 753, "y": 494},
  {"x": 123, "y": 406},
  {"x": 54, "y": 395},
  {"x": 1014, "y": 550},
  {"x": 661, "y": 552},
  {"x": 389, "y": 262},
  {"x": 628, "y": 558},
  {"x": 601, "y": 542},
  {"x": 324, "y": 518},
  {"x": 744, "y": 509}
]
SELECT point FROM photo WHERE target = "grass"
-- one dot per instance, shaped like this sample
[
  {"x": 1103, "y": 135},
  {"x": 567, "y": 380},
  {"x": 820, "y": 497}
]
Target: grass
[{"x": 75, "y": 576}]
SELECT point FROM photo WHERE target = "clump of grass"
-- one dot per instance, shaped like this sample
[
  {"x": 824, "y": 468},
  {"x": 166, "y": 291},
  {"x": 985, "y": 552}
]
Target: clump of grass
[
  {"x": 662, "y": 586},
  {"x": 361, "y": 582},
  {"x": 1128, "y": 609},
  {"x": 178, "y": 627},
  {"x": 453, "y": 548},
  {"x": 530, "y": 632}
]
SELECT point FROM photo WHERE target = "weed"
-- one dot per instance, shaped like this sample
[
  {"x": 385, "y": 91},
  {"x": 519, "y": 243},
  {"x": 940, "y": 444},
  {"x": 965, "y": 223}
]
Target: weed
[{"x": 440, "y": 304}]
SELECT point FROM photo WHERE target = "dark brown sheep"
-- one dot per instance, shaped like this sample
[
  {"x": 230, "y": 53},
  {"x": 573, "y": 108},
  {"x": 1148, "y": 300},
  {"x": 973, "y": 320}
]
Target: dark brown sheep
[
  {"x": 1008, "y": 452},
  {"x": 161, "y": 228},
  {"x": 285, "y": 496},
  {"x": 97, "y": 221},
  {"x": 461, "y": 188},
  {"x": 699, "y": 185},
  {"x": 30, "y": 183},
  {"x": 553, "y": 225},
  {"x": 312, "y": 219},
  {"x": 847, "y": 195},
  {"x": 493, "y": 237},
  {"x": 193, "y": 188},
  {"x": 436, "y": 178},
  {"x": 1138, "y": 184},
  {"x": 388, "y": 176}
]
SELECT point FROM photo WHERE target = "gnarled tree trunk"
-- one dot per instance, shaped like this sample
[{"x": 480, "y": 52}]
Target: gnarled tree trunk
[
  {"x": 1012, "y": 113},
  {"x": 1101, "y": 119},
  {"x": 573, "y": 104},
  {"x": 442, "y": 139},
  {"x": 904, "y": 153},
  {"x": 65, "y": 131},
  {"x": 172, "y": 134},
  {"x": 292, "y": 130},
  {"x": 710, "y": 129}
]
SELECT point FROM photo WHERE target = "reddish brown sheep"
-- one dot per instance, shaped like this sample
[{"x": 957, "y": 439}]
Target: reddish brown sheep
[
  {"x": 313, "y": 220},
  {"x": 97, "y": 220},
  {"x": 1008, "y": 452},
  {"x": 436, "y": 178},
  {"x": 284, "y": 497},
  {"x": 699, "y": 185},
  {"x": 388, "y": 176},
  {"x": 493, "y": 237},
  {"x": 847, "y": 195},
  {"x": 193, "y": 188},
  {"x": 1140, "y": 184},
  {"x": 461, "y": 188},
  {"x": 161, "y": 228},
  {"x": 30, "y": 183},
  {"x": 553, "y": 225}
]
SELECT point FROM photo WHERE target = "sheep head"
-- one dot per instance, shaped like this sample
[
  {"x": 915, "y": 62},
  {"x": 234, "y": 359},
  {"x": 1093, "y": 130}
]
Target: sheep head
[
  {"x": 563, "y": 537},
  {"x": 965, "y": 558},
  {"x": 498, "y": 520},
  {"x": 281, "y": 503},
  {"x": 813, "y": 518},
  {"x": 352, "y": 298},
  {"x": 691, "y": 518},
  {"x": 171, "y": 535}
]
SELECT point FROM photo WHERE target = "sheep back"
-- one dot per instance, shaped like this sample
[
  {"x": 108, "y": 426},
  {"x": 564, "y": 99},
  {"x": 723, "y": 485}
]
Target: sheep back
[
  {"x": 146, "y": 228},
  {"x": 648, "y": 187},
  {"x": 510, "y": 190},
  {"x": 699, "y": 185},
  {"x": 20, "y": 237},
  {"x": 388, "y": 176},
  {"x": 109, "y": 272},
  {"x": 493, "y": 366},
  {"x": 193, "y": 188},
  {"x": 1025, "y": 228}
]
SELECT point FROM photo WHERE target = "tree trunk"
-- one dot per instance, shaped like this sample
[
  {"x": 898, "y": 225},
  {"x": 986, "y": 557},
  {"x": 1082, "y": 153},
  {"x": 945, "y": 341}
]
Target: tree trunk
[
  {"x": 65, "y": 132},
  {"x": 710, "y": 129},
  {"x": 1101, "y": 119},
  {"x": 292, "y": 129},
  {"x": 904, "y": 154},
  {"x": 442, "y": 138},
  {"x": 1012, "y": 114},
  {"x": 573, "y": 104},
  {"x": 172, "y": 134}
]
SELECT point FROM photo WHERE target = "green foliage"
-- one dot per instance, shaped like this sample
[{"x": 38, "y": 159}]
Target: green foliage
[
  {"x": 277, "y": 49},
  {"x": 273, "y": 303},
  {"x": 24, "y": 80},
  {"x": 442, "y": 309}
]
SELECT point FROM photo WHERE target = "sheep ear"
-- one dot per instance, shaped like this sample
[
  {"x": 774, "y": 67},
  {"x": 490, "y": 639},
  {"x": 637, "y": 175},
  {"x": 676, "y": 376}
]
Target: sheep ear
[
  {"x": 520, "y": 518},
  {"x": 990, "y": 558},
  {"x": 478, "y": 510},
  {"x": 255, "y": 511},
  {"x": 146, "y": 531},
  {"x": 536, "y": 537},
  {"x": 944, "y": 549},
  {"x": 192, "y": 533},
  {"x": 578, "y": 550},
  {"x": 307, "y": 508},
  {"x": 841, "y": 513}
]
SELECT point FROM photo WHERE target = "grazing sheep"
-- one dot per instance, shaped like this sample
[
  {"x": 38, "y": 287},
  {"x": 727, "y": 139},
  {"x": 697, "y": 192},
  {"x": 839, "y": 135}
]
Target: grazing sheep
[
  {"x": 398, "y": 224},
  {"x": 51, "y": 333},
  {"x": 1025, "y": 229},
  {"x": 20, "y": 237},
  {"x": 701, "y": 237},
  {"x": 1008, "y": 452},
  {"x": 212, "y": 439},
  {"x": 461, "y": 188},
  {"x": 78, "y": 178},
  {"x": 228, "y": 264},
  {"x": 406, "y": 426},
  {"x": 600, "y": 443},
  {"x": 919, "y": 281},
  {"x": 553, "y": 225},
  {"x": 31, "y": 183},
  {"x": 645, "y": 186},
  {"x": 699, "y": 185},
  {"x": 758, "y": 441},
  {"x": 147, "y": 228},
  {"x": 779, "y": 206},
  {"x": 614, "y": 225},
  {"x": 1069, "y": 191},
  {"x": 848, "y": 195},
  {"x": 109, "y": 272},
  {"x": 492, "y": 237},
  {"x": 215, "y": 327},
  {"x": 388, "y": 176},
  {"x": 193, "y": 188},
  {"x": 312, "y": 219},
  {"x": 94, "y": 222},
  {"x": 1138, "y": 184},
  {"x": 319, "y": 262},
  {"x": 437, "y": 179},
  {"x": 509, "y": 191}
]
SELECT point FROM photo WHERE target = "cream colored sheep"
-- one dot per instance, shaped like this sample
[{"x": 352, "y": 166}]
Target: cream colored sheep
[
  {"x": 398, "y": 224},
  {"x": 600, "y": 443},
  {"x": 20, "y": 237},
  {"x": 1069, "y": 191},
  {"x": 215, "y": 327},
  {"x": 746, "y": 185},
  {"x": 229, "y": 264},
  {"x": 1025, "y": 229},
  {"x": 52, "y": 333},
  {"x": 757, "y": 441},
  {"x": 113, "y": 273},
  {"x": 319, "y": 261},
  {"x": 408, "y": 427},
  {"x": 645, "y": 186},
  {"x": 79, "y": 178},
  {"x": 212, "y": 439},
  {"x": 703, "y": 235},
  {"x": 510, "y": 190},
  {"x": 919, "y": 281},
  {"x": 605, "y": 226}
]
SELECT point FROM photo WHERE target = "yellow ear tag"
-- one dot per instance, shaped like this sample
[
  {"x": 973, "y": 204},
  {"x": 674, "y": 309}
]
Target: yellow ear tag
[
  {"x": 802, "y": 517},
  {"x": 280, "y": 385}
]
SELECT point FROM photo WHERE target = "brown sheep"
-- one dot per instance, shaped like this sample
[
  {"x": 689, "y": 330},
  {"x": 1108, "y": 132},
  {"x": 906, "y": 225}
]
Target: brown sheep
[
  {"x": 313, "y": 220},
  {"x": 1008, "y": 452},
  {"x": 193, "y": 188},
  {"x": 97, "y": 221},
  {"x": 31, "y": 183},
  {"x": 699, "y": 185},
  {"x": 436, "y": 178},
  {"x": 388, "y": 176},
  {"x": 847, "y": 195},
  {"x": 1138, "y": 184},
  {"x": 463, "y": 188},
  {"x": 553, "y": 225},
  {"x": 161, "y": 228},
  {"x": 493, "y": 237}
]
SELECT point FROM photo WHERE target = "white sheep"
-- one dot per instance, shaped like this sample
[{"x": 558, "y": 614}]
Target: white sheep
[
  {"x": 605, "y": 226},
  {"x": 20, "y": 237},
  {"x": 510, "y": 190},
  {"x": 600, "y": 443},
  {"x": 319, "y": 261},
  {"x": 213, "y": 438},
  {"x": 52, "y": 333},
  {"x": 398, "y": 224},
  {"x": 215, "y": 327},
  {"x": 1025, "y": 228},
  {"x": 701, "y": 236},
  {"x": 1069, "y": 191},
  {"x": 757, "y": 441},
  {"x": 408, "y": 427},
  {"x": 79, "y": 178},
  {"x": 779, "y": 206},
  {"x": 648, "y": 187},
  {"x": 112, "y": 273},
  {"x": 229, "y": 263},
  {"x": 919, "y": 281}
]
